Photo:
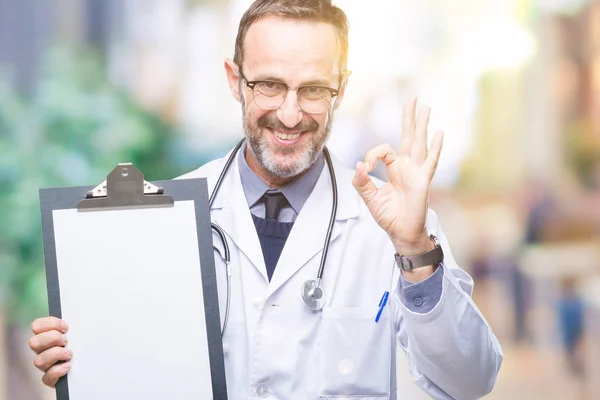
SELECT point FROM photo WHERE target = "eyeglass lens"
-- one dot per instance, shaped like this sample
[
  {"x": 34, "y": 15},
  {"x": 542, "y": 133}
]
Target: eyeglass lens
[{"x": 312, "y": 99}]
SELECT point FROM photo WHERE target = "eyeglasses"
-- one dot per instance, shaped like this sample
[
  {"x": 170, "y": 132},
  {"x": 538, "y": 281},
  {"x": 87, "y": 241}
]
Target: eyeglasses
[{"x": 270, "y": 95}]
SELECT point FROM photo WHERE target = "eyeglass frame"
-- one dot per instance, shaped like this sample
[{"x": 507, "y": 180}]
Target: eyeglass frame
[{"x": 252, "y": 84}]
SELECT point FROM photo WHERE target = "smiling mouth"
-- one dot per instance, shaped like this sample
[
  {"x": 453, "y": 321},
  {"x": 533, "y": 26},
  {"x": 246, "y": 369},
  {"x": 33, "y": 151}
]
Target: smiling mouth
[{"x": 286, "y": 136}]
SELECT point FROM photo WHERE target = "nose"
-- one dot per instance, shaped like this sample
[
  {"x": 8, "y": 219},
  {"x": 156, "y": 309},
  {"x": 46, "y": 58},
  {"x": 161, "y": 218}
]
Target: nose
[{"x": 290, "y": 113}]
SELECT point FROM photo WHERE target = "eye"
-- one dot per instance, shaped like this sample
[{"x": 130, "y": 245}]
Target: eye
[
  {"x": 268, "y": 88},
  {"x": 315, "y": 92}
]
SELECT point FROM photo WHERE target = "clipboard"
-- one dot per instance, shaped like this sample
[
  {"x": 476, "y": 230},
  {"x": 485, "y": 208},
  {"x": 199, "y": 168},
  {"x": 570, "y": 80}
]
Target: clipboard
[{"x": 130, "y": 267}]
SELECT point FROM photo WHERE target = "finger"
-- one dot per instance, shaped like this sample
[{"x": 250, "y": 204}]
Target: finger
[
  {"x": 433, "y": 157},
  {"x": 419, "y": 149},
  {"x": 384, "y": 152},
  {"x": 408, "y": 126},
  {"x": 48, "y": 358},
  {"x": 363, "y": 183},
  {"x": 53, "y": 374},
  {"x": 45, "y": 340},
  {"x": 47, "y": 324}
]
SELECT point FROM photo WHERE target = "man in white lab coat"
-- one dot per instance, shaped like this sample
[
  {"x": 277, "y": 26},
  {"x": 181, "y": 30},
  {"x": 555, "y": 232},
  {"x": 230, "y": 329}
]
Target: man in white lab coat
[{"x": 289, "y": 74}]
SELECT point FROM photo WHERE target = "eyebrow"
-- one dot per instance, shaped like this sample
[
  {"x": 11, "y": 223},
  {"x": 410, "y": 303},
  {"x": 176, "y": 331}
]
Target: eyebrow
[{"x": 313, "y": 82}]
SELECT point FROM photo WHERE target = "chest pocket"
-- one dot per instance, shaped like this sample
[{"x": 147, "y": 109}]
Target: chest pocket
[{"x": 355, "y": 353}]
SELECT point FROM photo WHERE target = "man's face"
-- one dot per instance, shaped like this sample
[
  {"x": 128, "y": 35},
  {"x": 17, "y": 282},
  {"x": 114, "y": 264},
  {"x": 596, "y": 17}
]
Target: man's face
[{"x": 285, "y": 142}]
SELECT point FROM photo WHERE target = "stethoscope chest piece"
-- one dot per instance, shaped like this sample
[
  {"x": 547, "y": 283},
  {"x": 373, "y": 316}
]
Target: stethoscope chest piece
[{"x": 313, "y": 295}]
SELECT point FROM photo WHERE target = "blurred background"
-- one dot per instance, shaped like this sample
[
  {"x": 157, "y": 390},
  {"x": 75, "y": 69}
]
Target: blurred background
[{"x": 515, "y": 85}]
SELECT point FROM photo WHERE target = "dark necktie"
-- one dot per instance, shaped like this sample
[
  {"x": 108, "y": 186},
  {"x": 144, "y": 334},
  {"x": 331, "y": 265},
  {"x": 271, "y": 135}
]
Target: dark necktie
[{"x": 274, "y": 202}]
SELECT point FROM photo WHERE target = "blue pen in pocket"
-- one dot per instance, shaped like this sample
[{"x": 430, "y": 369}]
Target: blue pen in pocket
[{"x": 382, "y": 304}]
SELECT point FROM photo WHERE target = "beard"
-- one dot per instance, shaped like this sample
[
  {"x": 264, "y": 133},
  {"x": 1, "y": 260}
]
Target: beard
[{"x": 298, "y": 158}]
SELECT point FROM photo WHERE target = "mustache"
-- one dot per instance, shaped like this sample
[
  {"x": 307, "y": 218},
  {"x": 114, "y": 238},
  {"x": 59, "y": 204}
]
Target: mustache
[{"x": 272, "y": 122}]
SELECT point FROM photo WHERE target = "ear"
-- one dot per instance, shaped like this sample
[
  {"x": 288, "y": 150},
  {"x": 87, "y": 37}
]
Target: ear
[
  {"x": 344, "y": 83},
  {"x": 233, "y": 77}
]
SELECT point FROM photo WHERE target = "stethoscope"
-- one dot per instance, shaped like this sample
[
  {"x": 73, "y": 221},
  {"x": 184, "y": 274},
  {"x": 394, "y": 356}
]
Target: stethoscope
[{"x": 312, "y": 292}]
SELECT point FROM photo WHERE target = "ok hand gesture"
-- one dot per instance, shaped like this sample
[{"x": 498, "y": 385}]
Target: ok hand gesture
[{"x": 400, "y": 205}]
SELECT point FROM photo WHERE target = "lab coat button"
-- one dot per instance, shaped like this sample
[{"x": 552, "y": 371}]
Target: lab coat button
[
  {"x": 263, "y": 390},
  {"x": 418, "y": 301},
  {"x": 258, "y": 302},
  {"x": 225, "y": 348}
]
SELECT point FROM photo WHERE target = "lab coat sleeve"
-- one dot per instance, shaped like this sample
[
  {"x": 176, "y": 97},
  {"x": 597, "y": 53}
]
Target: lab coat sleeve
[{"x": 452, "y": 351}]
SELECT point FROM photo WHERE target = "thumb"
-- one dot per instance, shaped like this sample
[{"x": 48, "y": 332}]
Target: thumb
[{"x": 363, "y": 183}]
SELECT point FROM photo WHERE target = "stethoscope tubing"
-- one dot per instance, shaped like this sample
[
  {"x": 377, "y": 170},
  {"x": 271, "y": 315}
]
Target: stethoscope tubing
[
  {"x": 221, "y": 233},
  {"x": 332, "y": 217},
  {"x": 217, "y": 228},
  {"x": 227, "y": 258}
]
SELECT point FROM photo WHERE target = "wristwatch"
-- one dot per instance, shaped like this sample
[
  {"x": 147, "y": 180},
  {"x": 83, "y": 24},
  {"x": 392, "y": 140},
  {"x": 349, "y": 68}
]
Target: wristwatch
[{"x": 431, "y": 257}]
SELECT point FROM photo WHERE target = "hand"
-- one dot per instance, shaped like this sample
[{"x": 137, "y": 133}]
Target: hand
[
  {"x": 400, "y": 205},
  {"x": 49, "y": 344}
]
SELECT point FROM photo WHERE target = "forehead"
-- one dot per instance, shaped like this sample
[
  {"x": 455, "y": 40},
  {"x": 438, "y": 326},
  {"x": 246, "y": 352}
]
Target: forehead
[{"x": 292, "y": 50}]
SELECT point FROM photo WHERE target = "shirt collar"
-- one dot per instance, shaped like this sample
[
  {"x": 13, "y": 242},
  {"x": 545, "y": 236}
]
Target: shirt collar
[{"x": 296, "y": 192}]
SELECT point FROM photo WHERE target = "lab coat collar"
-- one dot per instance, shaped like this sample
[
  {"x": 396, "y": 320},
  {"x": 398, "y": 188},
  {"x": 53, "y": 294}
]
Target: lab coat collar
[
  {"x": 348, "y": 202},
  {"x": 230, "y": 210}
]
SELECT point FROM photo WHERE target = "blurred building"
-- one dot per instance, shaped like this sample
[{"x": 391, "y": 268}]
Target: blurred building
[{"x": 515, "y": 85}]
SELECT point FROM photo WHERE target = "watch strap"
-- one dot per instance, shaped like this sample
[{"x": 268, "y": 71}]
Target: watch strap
[{"x": 431, "y": 257}]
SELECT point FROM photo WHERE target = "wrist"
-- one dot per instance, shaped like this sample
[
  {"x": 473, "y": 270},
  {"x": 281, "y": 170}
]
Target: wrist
[
  {"x": 419, "y": 245},
  {"x": 419, "y": 259}
]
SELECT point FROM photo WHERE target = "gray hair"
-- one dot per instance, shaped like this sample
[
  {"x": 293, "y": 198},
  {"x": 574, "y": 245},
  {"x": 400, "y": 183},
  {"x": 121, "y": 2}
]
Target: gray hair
[{"x": 300, "y": 10}]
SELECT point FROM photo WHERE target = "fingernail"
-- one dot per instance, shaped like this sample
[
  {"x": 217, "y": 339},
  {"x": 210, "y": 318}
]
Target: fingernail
[
  {"x": 65, "y": 339},
  {"x": 65, "y": 326},
  {"x": 67, "y": 366},
  {"x": 69, "y": 352}
]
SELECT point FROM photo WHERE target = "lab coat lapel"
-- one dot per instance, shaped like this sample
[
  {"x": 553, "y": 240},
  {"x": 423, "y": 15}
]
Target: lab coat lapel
[
  {"x": 230, "y": 211},
  {"x": 307, "y": 237}
]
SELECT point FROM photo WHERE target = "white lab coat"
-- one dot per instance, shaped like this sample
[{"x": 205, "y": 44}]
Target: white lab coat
[{"x": 276, "y": 348}]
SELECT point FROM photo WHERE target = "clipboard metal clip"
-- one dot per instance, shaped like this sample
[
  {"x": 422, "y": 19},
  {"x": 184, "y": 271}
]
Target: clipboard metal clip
[{"x": 123, "y": 188}]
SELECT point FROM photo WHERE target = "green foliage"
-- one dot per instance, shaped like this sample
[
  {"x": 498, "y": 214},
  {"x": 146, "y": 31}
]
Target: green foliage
[{"x": 72, "y": 131}]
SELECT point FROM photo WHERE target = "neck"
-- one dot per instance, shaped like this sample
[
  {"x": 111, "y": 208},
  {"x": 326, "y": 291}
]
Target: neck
[{"x": 267, "y": 176}]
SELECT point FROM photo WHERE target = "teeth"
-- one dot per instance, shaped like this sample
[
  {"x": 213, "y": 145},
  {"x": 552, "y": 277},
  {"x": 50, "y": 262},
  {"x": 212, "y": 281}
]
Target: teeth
[{"x": 285, "y": 136}]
